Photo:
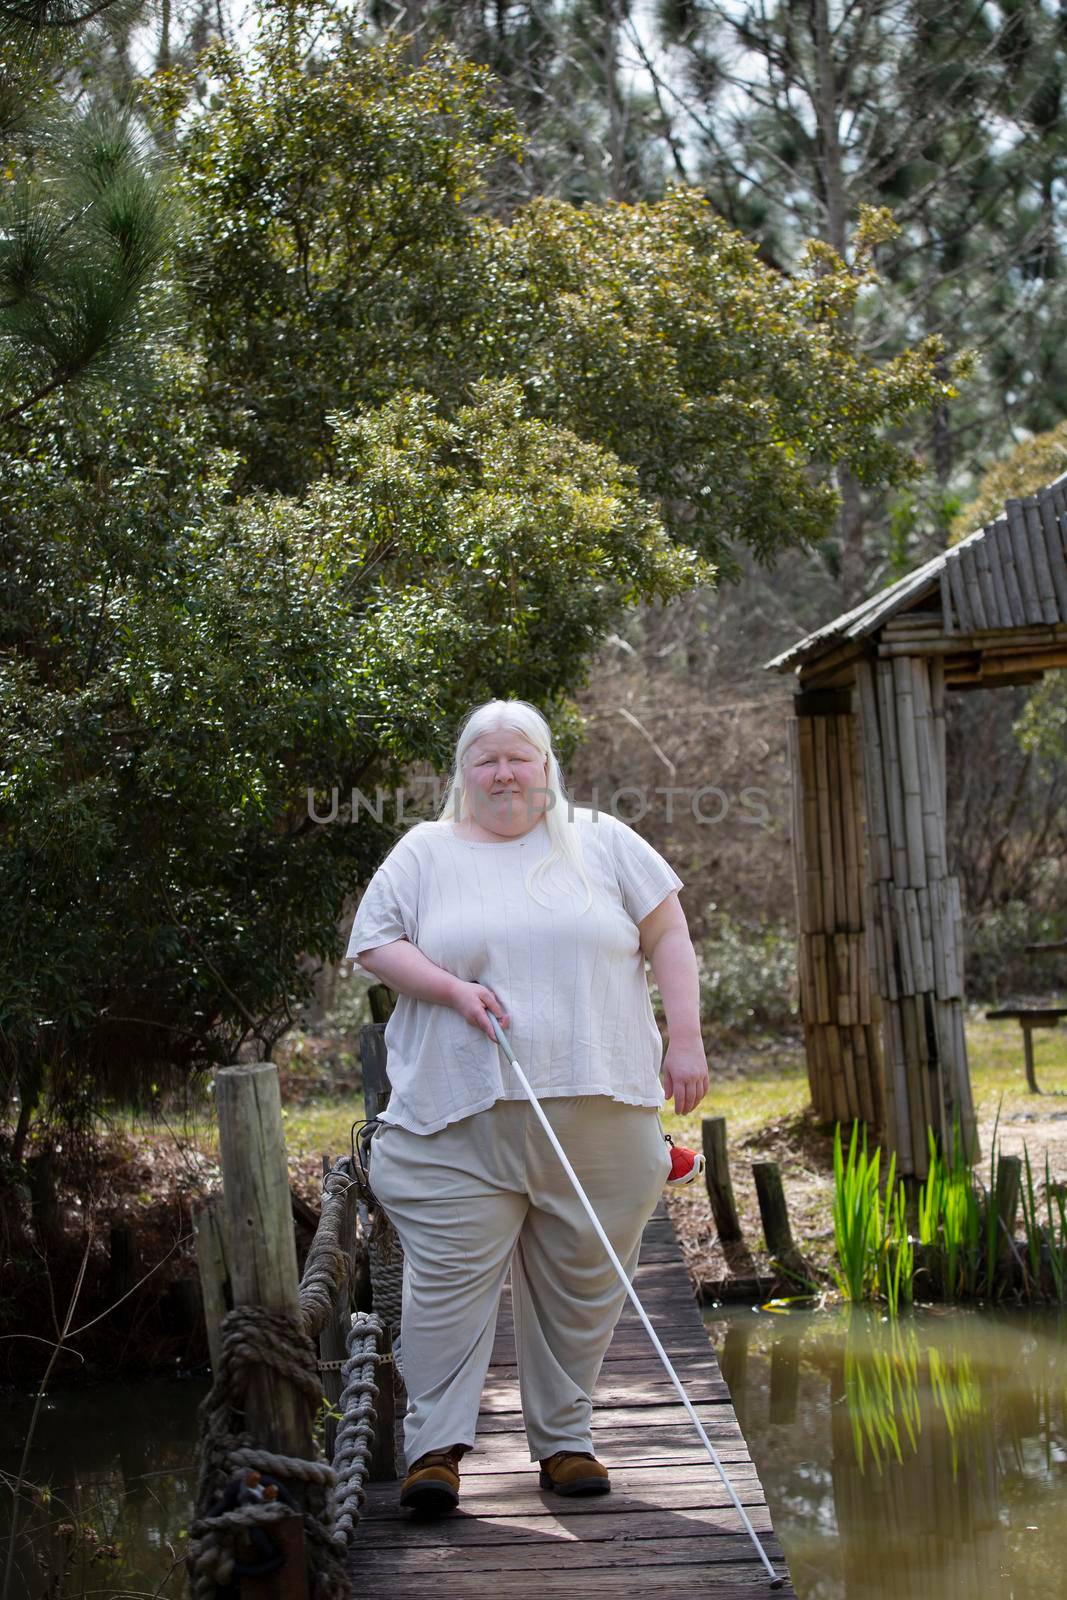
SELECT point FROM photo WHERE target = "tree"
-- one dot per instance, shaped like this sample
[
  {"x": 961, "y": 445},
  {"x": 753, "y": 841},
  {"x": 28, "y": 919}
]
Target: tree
[
  {"x": 411, "y": 455},
  {"x": 84, "y": 221},
  {"x": 650, "y": 328},
  {"x": 948, "y": 116}
]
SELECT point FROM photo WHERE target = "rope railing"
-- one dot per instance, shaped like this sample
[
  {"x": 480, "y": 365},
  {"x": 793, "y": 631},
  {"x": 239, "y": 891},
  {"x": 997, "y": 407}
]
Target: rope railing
[{"x": 247, "y": 1491}]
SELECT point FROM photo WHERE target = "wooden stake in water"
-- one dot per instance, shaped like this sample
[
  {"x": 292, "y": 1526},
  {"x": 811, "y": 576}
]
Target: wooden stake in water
[{"x": 776, "y": 1581}]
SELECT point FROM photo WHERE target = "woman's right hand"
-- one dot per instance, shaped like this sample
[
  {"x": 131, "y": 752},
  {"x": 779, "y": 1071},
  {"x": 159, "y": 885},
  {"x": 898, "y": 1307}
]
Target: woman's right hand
[{"x": 473, "y": 1001}]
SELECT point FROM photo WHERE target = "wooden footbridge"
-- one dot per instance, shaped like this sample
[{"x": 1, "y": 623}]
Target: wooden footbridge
[{"x": 668, "y": 1527}]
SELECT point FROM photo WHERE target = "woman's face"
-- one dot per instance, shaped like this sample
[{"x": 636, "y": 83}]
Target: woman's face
[{"x": 505, "y": 782}]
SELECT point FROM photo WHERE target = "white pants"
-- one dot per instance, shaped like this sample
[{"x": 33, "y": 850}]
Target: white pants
[{"x": 487, "y": 1191}]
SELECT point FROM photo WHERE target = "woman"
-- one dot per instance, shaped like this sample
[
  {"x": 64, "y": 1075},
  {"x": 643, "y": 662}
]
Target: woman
[{"x": 516, "y": 904}]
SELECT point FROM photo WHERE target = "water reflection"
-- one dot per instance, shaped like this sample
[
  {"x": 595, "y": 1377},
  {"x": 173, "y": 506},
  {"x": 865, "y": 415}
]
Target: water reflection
[
  {"x": 922, "y": 1457},
  {"x": 114, "y": 1481}
]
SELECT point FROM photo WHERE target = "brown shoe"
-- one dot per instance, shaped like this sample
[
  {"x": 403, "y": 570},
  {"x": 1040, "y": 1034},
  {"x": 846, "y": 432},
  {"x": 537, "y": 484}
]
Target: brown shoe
[
  {"x": 574, "y": 1472},
  {"x": 431, "y": 1487}
]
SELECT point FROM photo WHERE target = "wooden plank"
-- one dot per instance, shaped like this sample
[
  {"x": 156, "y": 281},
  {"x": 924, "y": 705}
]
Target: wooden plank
[
  {"x": 879, "y": 856},
  {"x": 1046, "y": 589},
  {"x": 809, "y": 794},
  {"x": 1005, "y": 549},
  {"x": 1024, "y": 566},
  {"x": 668, "y": 1521},
  {"x": 826, "y": 848},
  {"x": 986, "y": 585},
  {"x": 505, "y": 1494},
  {"x": 537, "y": 1555},
  {"x": 958, "y": 590},
  {"x": 1054, "y": 551},
  {"x": 887, "y": 719},
  {"x": 948, "y": 618},
  {"x": 975, "y": 601},
  {"x": 660, "y": 1582},
  {"x": 909, "y": 771}
]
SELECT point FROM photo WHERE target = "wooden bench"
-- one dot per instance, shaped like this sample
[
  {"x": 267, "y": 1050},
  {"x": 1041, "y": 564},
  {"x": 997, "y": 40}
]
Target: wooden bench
[{"x": 1029, "y": 1018}]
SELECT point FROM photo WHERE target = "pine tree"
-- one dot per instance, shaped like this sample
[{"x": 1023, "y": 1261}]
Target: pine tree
[
  {"x": 84, "y": 216},
  {"x": 951, "y": 118}
]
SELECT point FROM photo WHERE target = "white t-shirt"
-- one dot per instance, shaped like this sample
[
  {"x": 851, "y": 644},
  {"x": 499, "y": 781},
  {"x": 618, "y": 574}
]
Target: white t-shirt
[{"x": 573, "y": 983}]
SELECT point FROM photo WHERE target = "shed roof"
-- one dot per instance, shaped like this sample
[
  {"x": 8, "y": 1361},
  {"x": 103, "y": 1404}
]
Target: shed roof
[{"x": 1010, "y": 573}]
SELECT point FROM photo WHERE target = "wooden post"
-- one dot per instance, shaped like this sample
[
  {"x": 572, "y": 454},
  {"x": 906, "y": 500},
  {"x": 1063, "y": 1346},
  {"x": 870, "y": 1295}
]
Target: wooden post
[
  {"x": 717, "y": 1178},
  {"x": 383, "y": 1461},
  {"x": 382, "y": 1000},
  {"x": 372, "y": 1053},
  {"x": 212, "y": 1254},
  {"x": 262, "y": 1244},
  {"x": 774, "y": 1213},
  {"x": 289, "y": 1582},
  {"x": 1028, "y": 1056},
  {"x": 1006, "y": 1200}
]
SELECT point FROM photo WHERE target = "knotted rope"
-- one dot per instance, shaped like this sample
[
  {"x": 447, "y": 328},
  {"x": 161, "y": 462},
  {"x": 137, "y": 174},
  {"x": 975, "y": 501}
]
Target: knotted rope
[
  {"x": 385, "y": 1256},
  {"x": 255, "y": 1337},
  {"x": 242, "y": 1486},
  {"x": 351, "y": 1451},
  {"x": 327, "y": 1268}
]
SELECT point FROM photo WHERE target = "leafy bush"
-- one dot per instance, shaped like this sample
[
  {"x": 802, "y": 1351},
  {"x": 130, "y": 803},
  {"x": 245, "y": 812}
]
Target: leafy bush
[
  {"x": 995, "y": 941},
  {"x": 748, "y": 974}
]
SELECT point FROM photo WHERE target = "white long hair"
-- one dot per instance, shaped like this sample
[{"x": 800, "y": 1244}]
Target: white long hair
[{"x": 565, "y": 844}]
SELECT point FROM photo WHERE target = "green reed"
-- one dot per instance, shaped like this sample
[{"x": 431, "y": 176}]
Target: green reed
[
  {"x": 898, "y": 1253},
  {"x": 857, "y": 1216},
  {"x": 959, "y": 1228},
  {"x": 874, "y": 1250},
  {"x": 1045, "y": 1241},
  {"x": 950, "y": 1217}
]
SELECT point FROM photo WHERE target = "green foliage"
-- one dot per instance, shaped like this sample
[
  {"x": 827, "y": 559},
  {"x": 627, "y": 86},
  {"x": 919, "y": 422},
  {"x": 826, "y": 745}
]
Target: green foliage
[
  {"x": 950, "y": 1223},
  {"x": 857, "y": 1215},
  {"x": 658, "y": 330},
  {"x": 1030, "y": 466},
  {"x": 874, "y": 1250},
  {"x": 996, "y": 940},
  {"x": 652, "y": 330},
  {"x": 84, "y": 228},
  {"x": 410, "y": 455},
  {"x": 1042, "y": 726},
  {"x": 184, "y": 669},
  {"x": 1046, "y": 1241},
  {"x": 747, "y": 974},
  {"x": 331, "y": 195}
]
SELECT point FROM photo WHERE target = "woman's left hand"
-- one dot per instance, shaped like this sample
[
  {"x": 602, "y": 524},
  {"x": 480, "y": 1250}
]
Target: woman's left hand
[{"x": 685, "y": 1075}]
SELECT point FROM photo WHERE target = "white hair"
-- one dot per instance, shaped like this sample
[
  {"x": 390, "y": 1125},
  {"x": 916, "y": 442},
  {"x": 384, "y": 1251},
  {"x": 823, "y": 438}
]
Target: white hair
[{"x": 520, "y": 717}]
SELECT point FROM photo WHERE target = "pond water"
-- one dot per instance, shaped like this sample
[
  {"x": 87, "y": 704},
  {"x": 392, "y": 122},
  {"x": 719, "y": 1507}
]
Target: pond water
[
  {"x": 113, "y": 1458},
  {"x": 925, "y": 1458}
]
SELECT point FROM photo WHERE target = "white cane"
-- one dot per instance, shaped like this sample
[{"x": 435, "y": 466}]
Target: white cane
[{"x": 776, "y": 1581}]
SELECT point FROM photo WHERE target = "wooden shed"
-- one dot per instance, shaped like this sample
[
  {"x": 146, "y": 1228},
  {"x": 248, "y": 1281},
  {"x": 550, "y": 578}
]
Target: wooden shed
[{"x": 880, "y": 955}]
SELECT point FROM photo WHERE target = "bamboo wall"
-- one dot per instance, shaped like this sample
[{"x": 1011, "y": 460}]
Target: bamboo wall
[
  {"x": 913, "y": 905},
  {"x": 879, "y": 939},
  {"x": 839, "y": 1008}
]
